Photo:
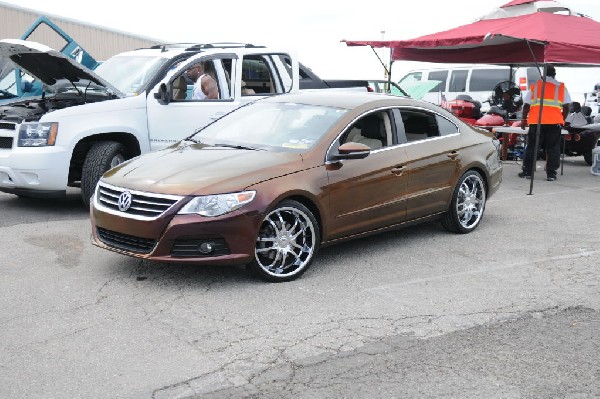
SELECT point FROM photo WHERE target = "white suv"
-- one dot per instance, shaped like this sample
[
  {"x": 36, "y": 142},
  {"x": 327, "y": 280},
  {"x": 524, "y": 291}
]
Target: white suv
[{"x": 87, "y": 122}]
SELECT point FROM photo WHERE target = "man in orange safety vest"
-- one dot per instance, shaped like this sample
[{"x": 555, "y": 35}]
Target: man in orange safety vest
[{"x": 553, "y": 113}]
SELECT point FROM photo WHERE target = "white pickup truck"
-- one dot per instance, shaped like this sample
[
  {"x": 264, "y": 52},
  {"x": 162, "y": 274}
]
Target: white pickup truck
[{"x": 82, "y": 125}]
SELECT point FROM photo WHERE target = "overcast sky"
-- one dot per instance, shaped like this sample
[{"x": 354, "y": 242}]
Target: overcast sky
[{"x": 313, "y": 29}]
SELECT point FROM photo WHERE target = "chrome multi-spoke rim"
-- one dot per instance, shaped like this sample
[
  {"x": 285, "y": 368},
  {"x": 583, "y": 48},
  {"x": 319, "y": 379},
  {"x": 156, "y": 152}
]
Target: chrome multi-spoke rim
[
  {"x": 470, "y": 201},
  {"x": 286, "y": 242}
]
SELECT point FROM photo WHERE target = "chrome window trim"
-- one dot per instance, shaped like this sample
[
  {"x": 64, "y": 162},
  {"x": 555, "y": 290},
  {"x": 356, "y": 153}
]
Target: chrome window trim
[
  {"x": 387, "y": 148},
  {"x": 329, "y": 149}
]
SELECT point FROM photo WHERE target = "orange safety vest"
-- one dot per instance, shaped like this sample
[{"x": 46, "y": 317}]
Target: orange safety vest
[{"x": 554, "y": 97}]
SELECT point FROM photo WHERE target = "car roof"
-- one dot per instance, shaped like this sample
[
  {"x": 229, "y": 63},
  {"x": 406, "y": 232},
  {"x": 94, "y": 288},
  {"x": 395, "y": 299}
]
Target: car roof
[
  {"x": 346, "y": 99},
  {"x": 169, "y": 50}
]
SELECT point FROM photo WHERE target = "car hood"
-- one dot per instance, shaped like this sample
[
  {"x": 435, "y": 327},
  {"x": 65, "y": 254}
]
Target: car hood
[
  {"x": 199, "y": 169},
  {"x": 46, "y": 64}
]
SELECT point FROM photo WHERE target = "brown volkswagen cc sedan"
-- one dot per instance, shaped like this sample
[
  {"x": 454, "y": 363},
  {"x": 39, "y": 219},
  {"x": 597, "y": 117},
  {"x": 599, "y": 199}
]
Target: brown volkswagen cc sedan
[{"x": 271, "y": 182}]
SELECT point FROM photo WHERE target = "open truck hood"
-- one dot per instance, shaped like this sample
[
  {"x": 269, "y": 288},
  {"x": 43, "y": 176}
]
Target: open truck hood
[{"x": 48, "y": 65}]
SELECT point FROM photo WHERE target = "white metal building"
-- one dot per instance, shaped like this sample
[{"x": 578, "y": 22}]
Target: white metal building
[{"x": 98, "y": 41}]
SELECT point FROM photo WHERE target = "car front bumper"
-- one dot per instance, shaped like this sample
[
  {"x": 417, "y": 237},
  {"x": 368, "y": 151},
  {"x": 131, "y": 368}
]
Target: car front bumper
[{"x": 225, "y": 240}]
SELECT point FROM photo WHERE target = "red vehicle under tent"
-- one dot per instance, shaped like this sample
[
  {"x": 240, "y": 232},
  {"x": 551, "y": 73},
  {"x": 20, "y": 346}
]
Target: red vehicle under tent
[{"x": 519, "y": 33}]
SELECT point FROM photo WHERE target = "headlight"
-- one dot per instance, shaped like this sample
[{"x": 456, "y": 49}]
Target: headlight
[
  {"x": 217, "y": 205},
  {"x": 37, "y": 134}
]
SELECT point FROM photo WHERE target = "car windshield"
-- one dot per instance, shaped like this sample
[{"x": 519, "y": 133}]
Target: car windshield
[
  {"x": 130, "y": 74},
  {"x": 285, "y": 126}
]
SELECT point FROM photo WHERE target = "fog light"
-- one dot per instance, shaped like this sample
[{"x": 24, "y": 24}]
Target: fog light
[{"x": 206, "y": 247}]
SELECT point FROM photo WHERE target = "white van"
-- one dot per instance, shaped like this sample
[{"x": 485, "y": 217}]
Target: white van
[{"x": 477, "y": 81}]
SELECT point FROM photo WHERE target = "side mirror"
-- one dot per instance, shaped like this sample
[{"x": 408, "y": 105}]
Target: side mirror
[
  {"x": 351, "y": 150},
  {"x": 163, "y": 94}
]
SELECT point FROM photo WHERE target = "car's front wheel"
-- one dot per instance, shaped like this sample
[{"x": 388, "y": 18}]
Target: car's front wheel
[
  {"x": 467, "y": 205},
  {"x": 287, "y": 242}
]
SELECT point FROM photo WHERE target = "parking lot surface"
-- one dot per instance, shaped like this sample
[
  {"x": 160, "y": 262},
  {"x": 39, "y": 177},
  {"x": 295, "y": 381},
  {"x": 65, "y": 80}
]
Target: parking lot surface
[{"x": 508, "y": 311}]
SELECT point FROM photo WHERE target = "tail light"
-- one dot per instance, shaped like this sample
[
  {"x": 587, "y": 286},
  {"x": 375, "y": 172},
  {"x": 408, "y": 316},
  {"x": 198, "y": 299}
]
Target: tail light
[{"x": 462, "y": 109}]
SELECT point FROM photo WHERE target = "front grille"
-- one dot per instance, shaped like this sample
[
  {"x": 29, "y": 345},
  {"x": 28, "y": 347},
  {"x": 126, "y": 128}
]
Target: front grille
[
  {"x": 194, "y": 248},
  {"x": 6, "y": 142},
  {"x": 146, "y": 206},
  {"x": 126, "y": 242},
  {"x": 7, "y": 126}
]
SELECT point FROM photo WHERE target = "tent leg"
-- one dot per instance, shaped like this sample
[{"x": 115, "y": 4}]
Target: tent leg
[{"x": 537, "y": 130}]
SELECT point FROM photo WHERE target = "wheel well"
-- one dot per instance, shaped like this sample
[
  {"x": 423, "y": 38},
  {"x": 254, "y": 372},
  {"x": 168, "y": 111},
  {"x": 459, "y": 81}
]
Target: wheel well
[
  {"x": 131, "y": 144},
  {"x": 312, "y": 207}
]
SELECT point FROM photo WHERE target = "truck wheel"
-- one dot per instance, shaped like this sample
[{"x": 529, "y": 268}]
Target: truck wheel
[{"x": 101, "y": 157}]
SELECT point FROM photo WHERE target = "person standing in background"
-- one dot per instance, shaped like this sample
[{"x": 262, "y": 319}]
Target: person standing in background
[{"x": 555, "y": 110}]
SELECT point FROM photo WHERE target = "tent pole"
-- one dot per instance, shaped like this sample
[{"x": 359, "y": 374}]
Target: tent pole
[
  {"x": 537, "y": 130},
  {"x": 380, "y": 60},
  {"x": 389, "y": 84}
]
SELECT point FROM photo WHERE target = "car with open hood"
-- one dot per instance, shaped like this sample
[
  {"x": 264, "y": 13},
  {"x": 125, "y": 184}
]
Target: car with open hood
[
  {"x": 70, "y": 135},
  {"x": 270, "y": 183}
]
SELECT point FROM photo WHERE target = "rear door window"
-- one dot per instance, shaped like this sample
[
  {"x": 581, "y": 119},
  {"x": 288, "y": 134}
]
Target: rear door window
[
  {"x": 487, "y": 79},
  {"x": 442, "y": 76},
  {"x": 458, "y": 81}
]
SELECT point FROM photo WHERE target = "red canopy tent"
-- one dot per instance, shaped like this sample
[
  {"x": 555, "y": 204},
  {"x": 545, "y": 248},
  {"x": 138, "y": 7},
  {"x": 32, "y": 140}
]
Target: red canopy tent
[
  {"x": 507, "y": 37},
  {"x": 521, "y": 32}
]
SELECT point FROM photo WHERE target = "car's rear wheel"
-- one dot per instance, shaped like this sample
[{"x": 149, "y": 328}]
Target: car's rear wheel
[
  {"x": 588, "y": 158},
  {"x": 287, "y": 242},
  {"x": 467, "y": 205},
  {"x": 101, "y": 157}
]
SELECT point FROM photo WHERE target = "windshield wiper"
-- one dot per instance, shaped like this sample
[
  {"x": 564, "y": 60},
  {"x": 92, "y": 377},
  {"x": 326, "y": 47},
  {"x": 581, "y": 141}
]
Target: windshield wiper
[{"x": 237, "y": 146}]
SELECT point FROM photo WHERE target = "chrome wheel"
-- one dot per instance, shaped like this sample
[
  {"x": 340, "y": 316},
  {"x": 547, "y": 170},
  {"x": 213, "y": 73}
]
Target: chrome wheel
[
  {"x": 287, "y": 241},
  {"x": 468, "y": 204},
  {"x": 471, "y": 199}
]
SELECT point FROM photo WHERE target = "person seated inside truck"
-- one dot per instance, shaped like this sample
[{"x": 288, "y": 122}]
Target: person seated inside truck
[{"x": 205, "y": 86}]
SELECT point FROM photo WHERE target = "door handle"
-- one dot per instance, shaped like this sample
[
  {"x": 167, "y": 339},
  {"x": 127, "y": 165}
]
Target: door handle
[
  {"x": 398, "y": 170},
  {"x": 452, "y": 155}
]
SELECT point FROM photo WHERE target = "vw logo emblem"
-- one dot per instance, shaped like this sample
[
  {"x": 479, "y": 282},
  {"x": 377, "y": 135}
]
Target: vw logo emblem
[{"x": 124, "y": 201}]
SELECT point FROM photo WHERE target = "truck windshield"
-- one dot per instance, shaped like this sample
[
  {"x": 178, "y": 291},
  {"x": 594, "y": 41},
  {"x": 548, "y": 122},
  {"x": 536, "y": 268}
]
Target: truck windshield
[{"x": 130, "y": 74}]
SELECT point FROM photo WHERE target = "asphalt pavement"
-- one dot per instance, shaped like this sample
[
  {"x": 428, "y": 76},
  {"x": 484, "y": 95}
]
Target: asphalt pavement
[{"x": 508, "y": 311}]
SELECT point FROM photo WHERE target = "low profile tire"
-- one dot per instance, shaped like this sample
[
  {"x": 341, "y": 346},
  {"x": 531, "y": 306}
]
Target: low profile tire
[
  {"x": 287, "y": 242},
  {"x": 101, "y": 157},
  {"x": 588, "y": 158},
  {"x": 467, "y": 205}
]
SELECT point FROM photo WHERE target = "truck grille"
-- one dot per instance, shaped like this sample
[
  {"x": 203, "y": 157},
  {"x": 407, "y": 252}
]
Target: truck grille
[
  {"x": 7, "y": 126},
  {"x": 144, "y": 206},
  {"x": 126, "y": 242},
  {"x": 6, "y": 142}
]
